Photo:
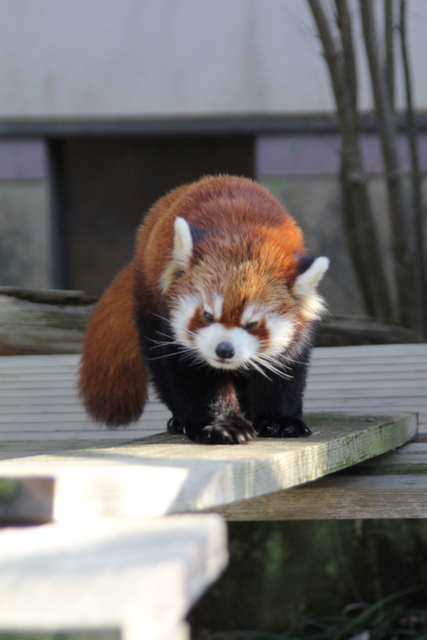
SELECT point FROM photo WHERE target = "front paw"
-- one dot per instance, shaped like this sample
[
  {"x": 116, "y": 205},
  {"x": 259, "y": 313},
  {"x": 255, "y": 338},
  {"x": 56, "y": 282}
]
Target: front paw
[
  {"x": 175, "y": 426},
  {"x": 230, "y": 430},
  {"x": 282, "y": 428}
]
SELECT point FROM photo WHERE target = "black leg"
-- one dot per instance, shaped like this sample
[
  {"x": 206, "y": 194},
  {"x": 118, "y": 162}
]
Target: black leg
[
  {"x": 277, "y": 402},
  {"x": 202, "y": 400}
]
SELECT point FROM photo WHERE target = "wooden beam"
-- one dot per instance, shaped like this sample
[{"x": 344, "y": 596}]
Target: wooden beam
[{"x": 166, "y": 474}]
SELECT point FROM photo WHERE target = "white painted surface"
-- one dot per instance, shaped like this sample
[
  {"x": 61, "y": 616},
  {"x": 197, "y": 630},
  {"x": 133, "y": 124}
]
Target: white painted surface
[
  {"x": 163, "y": 58},
  {"x": 137, "y": 577}
]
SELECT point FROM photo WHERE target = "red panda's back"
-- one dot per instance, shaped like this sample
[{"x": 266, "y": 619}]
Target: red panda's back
[{"x": 218, "y": 204}]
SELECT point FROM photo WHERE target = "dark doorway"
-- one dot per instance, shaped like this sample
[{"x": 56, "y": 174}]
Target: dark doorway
[{"x": 104, "y": 186}]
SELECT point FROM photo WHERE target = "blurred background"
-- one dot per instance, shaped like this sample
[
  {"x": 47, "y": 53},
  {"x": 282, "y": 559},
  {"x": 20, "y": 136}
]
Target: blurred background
[{"x": 106, "y": 105}]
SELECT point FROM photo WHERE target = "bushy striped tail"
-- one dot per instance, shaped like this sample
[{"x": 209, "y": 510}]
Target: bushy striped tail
[{"x": 112, "y": 377}]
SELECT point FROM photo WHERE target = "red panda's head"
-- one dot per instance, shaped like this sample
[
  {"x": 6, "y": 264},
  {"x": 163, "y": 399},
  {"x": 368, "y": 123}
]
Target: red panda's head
[{"x": 233, "y": 308}]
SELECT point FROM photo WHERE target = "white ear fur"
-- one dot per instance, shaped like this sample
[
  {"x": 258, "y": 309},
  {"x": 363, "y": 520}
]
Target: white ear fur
[
  {"x": 305, "y": 288},
  {"x": 307, "y": 282},
  {"x": 181, "y": 252},
  {"x": 182, "y": 243}
]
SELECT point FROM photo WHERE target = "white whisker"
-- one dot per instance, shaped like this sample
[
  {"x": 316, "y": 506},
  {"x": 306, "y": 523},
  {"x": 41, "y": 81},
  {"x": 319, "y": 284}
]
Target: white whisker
[
  {"x": 259, "y": 369},
  {"x": 162, "y": 318},
  {"x": 271, "y": 364},
  {"x": 282, "y": 355},
  {"x": 165, "y": 355}
]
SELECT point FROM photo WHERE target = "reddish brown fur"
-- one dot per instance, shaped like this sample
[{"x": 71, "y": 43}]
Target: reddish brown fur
[
  {"x": 242, "y": 222},
  {"x": 197, "y": 322},
  {"x": 113, "y": 380},
  {"x": 261, "y": 332}
]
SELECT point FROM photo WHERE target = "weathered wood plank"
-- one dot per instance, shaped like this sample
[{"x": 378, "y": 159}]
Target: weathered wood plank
[
  {"x": 137, "y": 577},
  {"x": 338, "y": 498},
  {"x": 180, "y": 476},
  {"x": 393, "y": 485},
  {"x": 60, "y": 410},
  {"x": 42, "y": 322},
  {"x": 373, "y": 350}
]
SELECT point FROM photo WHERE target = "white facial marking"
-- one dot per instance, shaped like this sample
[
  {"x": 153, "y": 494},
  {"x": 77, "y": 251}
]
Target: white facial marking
[
  {"x": 252, "y": 313},
  {"x": 244, "y": 345},
  {"x": 181, "y": 316},
  {"x": 218, "y": 304},
  {"x": 281, "y": 330}
]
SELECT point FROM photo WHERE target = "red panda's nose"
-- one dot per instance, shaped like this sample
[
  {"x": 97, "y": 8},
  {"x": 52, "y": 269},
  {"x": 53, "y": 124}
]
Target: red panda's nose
[{"x": 224, "y": 350}]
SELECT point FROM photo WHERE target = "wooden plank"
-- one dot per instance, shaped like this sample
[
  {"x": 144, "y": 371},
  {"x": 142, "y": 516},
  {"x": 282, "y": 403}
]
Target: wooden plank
[
  {"x": 393, "y": 485},
  {"x": 185, "y": 477},
  {"x": 383, "y": 378},
  {"x": 40, "y": 410},
  {"x": 137, "y": 577},
  {"x": 18, "y": 418},
  {"x": 370, "y": 351},
  {"x": 334, "y": 499},
  {"x": 340, "y": 379}
]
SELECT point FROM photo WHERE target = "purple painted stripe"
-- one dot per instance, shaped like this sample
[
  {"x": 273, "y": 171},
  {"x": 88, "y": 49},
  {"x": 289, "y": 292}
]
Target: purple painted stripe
[
  {"x": 320, "y": 154},
  {"x": 23, "y": 160}
]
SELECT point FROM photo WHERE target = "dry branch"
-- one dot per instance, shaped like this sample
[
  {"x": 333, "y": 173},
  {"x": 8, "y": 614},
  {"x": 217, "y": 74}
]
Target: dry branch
[
  {"x": 403, "y": 240},
  {"x": 358, "y": 214},
  {"x": 419, "y": 258}
]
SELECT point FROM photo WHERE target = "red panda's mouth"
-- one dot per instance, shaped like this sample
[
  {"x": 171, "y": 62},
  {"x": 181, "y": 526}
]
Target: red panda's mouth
[{"x": 226, "y": 364}]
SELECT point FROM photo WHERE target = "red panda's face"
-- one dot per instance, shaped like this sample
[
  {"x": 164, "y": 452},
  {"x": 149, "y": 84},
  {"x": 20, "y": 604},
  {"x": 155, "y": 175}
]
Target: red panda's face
[
  {"x": 236, "y": 314},
  {"x": 233, "y": 317},
  {"x": 259, "y": 334}
]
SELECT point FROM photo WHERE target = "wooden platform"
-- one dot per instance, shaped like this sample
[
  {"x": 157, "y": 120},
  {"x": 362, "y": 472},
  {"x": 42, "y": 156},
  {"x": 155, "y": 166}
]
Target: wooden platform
[
  {"x": 110, "y": 562},
  {"x": 40, "y": 410},
  {"x": 40, "y": 413},
  {"x": 166, "y": 474},
  {"x": 394, "y": 485},
  {"x": 377, "y": 378}
]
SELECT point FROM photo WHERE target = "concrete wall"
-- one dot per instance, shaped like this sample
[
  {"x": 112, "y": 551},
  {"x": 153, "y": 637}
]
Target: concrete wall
[
  {"x": 164, "y": 58},
  {"x": 26, "y": 250}
]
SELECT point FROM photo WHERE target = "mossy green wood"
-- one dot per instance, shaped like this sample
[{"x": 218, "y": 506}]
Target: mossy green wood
[{"x": 169, "y": 474}]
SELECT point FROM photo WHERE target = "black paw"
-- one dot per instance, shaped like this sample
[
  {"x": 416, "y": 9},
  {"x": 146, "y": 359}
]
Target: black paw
[
  {"x": 175, "y": 426},
  {"x": 234, "y": 430},
  {"x": 282, "y": 428}
]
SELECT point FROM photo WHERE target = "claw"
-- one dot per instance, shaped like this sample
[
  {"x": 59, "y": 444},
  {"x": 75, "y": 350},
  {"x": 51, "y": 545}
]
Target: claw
[
  {"x": 234, "y": 430},
  {"x": 283, "y": 428}
]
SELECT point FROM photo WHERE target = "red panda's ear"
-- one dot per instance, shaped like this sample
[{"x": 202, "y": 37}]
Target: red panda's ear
[
  {"x": 304, "y": 263},
  {"x": 182, "y": 252},
  {"x": 182, "y": 244},
  {"x": 306, "y": 284}
]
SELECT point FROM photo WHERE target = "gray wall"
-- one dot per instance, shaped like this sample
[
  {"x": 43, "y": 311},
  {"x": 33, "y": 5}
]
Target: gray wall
[{"x": 164, "y": 58}]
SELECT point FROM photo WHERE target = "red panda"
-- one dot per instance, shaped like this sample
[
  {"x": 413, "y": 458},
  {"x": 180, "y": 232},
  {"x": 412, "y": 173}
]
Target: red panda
[{"x": 217, "y": 309}]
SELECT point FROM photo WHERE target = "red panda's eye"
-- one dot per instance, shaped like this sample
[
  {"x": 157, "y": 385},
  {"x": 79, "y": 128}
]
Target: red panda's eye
[
  {"x": 207, "y": 316},
  {"x": 251, "y": 325}
]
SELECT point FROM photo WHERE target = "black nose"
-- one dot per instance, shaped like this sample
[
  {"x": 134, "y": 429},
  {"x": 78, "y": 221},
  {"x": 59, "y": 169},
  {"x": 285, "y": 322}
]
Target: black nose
[{"x": 224, "y": 350}]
